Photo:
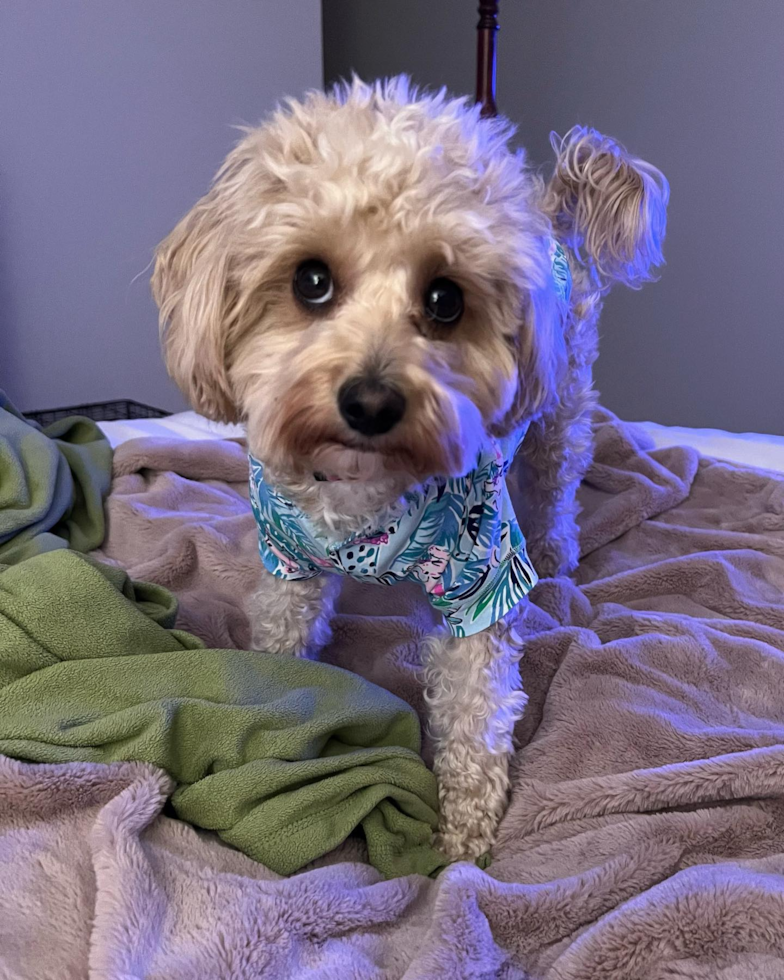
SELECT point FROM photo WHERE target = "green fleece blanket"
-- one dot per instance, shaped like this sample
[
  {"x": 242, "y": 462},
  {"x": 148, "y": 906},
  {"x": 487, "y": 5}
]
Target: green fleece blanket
[
  {"x": 52, "y": 484},
  {"x": 283, "y": 758}
]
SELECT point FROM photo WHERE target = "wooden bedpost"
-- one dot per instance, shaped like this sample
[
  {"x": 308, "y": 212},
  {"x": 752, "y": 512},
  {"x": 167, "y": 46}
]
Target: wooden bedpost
[{"x": 485, "y": 56}]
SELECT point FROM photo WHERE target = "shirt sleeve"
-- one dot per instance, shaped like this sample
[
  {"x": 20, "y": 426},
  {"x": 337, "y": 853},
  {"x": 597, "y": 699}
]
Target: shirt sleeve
[
  {"x": 282, "y": 563},
  {"x": 278, "y": 549},
  {"x": 488, "y": 601}
]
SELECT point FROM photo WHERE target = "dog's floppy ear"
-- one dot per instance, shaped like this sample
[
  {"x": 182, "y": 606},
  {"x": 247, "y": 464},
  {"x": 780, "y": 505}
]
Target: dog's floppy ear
[
  {"x": 190, "y": 284},
  {"x": 607, "y": 206}
]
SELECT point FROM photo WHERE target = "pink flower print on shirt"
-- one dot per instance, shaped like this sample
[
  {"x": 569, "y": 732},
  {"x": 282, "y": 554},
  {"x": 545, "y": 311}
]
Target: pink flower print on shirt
[
  {"x": 287, "y": 563},
  {"x": 429, "y": 572},
  {"x": 382, "y": 538}
]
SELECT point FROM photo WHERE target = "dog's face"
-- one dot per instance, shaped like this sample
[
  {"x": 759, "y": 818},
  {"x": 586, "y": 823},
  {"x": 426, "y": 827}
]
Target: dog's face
[
  {"x": 386, "y": 334},
  {"x": 368, "y": 285}
]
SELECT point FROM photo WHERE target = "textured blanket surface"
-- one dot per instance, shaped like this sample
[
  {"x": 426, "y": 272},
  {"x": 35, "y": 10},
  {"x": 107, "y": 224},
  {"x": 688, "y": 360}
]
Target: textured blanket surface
[
  {"x": 645, "y": 835},
  {"x": 284, "y": 758},
  {"x": 52, "y": 484}
]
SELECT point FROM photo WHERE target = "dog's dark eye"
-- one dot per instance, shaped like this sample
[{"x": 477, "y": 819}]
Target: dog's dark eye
[
  {"x": 313, "y": 284},
  {"x": 443, "y": 301}
]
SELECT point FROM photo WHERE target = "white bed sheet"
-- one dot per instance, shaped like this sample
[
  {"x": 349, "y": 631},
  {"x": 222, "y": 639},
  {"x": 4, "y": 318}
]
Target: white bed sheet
[
  {"x": 745, "y": 448},
  {"x": 184, "y": 425}
]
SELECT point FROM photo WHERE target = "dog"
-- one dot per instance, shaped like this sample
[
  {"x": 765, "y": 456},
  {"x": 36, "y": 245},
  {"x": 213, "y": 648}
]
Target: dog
[{"x": 402, "y": 312}]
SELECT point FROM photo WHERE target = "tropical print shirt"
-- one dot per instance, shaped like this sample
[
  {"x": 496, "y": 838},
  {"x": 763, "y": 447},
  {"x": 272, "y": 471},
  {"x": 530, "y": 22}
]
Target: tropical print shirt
[{"x": 457, "y": 537}]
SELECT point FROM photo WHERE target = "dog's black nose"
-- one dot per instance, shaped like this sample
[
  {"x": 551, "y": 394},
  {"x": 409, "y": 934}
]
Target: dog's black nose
[{"x": 370, "y": 406}]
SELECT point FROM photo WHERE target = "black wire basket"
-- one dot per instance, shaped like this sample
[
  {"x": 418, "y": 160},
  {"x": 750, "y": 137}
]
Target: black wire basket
[{"x": 119, "y": 411}]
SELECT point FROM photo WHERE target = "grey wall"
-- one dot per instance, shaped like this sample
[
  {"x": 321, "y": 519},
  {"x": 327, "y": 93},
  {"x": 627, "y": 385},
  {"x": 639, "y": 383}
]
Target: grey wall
[
  {"x": 113, "y": 118},
  {"x": 695, "y": 86}
]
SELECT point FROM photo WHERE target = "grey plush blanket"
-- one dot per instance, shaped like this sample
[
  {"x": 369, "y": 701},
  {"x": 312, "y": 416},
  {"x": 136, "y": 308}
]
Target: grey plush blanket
[{"x": 645, "y": 836}]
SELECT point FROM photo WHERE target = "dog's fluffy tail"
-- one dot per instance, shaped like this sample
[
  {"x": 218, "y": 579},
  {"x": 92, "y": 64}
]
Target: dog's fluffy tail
[{"x": 608, "y": 207}]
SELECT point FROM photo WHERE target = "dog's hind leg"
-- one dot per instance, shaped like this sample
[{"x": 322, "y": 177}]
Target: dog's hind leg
[
  {"x": 292, "y": 616},
  {"x": 475, "y": 697}
]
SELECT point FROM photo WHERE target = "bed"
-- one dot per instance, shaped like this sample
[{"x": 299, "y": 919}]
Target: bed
[
  {"x": 747, "y": 448},
  {"x": 645, "y": 832}
]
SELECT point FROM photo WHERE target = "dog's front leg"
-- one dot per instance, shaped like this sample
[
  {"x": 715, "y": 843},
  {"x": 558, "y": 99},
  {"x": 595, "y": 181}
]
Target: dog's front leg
[
  {"x": 475, "y": 697},
  {"x": 292, "y": 616}
]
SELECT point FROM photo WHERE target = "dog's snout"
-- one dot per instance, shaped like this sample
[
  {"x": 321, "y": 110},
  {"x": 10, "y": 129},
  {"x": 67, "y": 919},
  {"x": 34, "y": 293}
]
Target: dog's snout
[{"x": 370, "y": 407}]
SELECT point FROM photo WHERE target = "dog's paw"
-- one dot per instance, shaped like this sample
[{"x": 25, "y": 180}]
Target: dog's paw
[
  {"x": 458, "y": 847},
  {"x": 469, "y": 821},
  {"x": 262, "y": 642}
]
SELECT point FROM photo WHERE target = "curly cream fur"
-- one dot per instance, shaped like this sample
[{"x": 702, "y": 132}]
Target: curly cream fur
[
  {"x": 293, "y": 618},
  {"x": 393, "y": 188},
  {"x": 475, "y": 697},
  {"x": 609, "y": 204}
]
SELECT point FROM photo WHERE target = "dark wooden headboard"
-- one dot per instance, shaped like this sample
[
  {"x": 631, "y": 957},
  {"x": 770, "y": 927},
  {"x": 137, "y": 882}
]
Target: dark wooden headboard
[{"x": 485, "y": 56}]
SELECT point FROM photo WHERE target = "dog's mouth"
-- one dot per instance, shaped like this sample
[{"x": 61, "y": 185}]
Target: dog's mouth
[
  {"x": 331, "y": 454},
  {"x": 340, "y": 459}
]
